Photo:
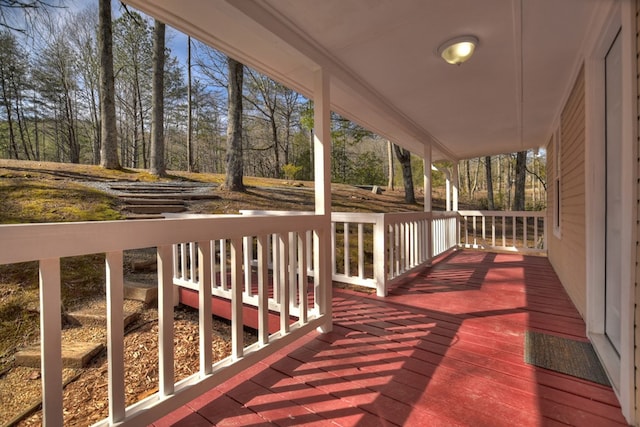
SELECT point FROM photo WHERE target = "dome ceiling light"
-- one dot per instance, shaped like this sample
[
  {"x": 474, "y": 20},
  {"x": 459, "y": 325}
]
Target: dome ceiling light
[{"x": 458, "y": 50}]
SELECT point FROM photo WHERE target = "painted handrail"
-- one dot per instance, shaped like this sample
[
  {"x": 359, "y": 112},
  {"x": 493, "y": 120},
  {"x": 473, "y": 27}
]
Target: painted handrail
[{"x": 48, "y": 243}]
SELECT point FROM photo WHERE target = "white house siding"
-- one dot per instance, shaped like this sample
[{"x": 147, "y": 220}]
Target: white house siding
[{"x": 567, "y": 251}]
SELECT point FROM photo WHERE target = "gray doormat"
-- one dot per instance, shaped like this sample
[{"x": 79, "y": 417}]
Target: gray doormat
[{"x": 571, "y": 357}]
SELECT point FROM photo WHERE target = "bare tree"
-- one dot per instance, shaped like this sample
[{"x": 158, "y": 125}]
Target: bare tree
[
  {"x": 157, "y": 101},
  {"x": 190, "y": 163},
  {"x": 487, "y": 165},
  {"x": 11, "y": 10},
  {"x": 404, "y": 157},
  {"x": 109, "y": 137},
  {"x": 521, "y": 175},
  {"x": 234, "y": 175}
]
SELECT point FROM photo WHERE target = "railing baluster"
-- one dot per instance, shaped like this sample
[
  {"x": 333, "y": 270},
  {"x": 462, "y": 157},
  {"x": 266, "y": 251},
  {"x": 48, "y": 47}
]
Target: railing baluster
[
  {"x": 347, "y": 257},
  {"x": 293, "y": 270},
  {"x": 309, "y": 237},
  {"x": 302, "y": 279},
  {"x": 381, "y": 247},
  {"x": 484, "y": 229},
  {"x": 263, "y": 292},
  {"x": 525, "y": 224},
  {"x": 204, "y": 306},
  {"x": 284, "y": 283},
  {"x": 513, "y": 229},
  {"x": 237, "y": 336},
  {"x": 333, "y": 252},
  {"x": 493, "y": 231},
  {"x": 115, "y": 335},
  {"x": 165, "y": 321},
  {"x": 275, "y": 263},
  {"x": 247, "y": 245},
  {"x": 51, "y": 342},
  {"x": 192, "y": 262},
  {"x": 360, "y": 250},
  {"x": 504, "y": 231},
  {"x": 176, "y": 261},
  {"x": 391, "y": 242},
  {"x": 183, "y": 261},
  {"x": 212, "y": 261},
  {"x": 223, "y": 265}
]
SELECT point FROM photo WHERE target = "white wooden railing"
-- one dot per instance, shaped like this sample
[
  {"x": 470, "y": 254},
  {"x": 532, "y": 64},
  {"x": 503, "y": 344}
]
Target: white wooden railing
[
  {"x": 48, "y": 243},
  {"x": 225, "y": 255},
  {"x": 375, "y": 250},
  {"x": 444, "y": 232},
  {"x": 520, "y": 231}
]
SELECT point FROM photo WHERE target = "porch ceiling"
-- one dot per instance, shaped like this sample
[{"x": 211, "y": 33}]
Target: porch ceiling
[{"x": 386, "y": 75}]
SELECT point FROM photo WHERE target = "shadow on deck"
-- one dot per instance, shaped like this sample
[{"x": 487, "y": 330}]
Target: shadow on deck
[{"x": 444, "y": 348}]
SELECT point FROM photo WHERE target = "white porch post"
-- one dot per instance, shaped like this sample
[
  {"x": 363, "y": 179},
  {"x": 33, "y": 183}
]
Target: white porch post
[
  {"x": 427, "y": 197},
  {"x": 447, "y": 177},
  {"x": 456, "y": 185},
  {"x": 448, "y": 191},
  {"x": 322, "y": 180},
  {"x": 427, "y": 177}
]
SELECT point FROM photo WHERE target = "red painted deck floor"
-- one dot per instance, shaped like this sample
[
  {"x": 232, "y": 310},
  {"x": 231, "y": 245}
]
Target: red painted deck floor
[{"x": 444, "y": 349}]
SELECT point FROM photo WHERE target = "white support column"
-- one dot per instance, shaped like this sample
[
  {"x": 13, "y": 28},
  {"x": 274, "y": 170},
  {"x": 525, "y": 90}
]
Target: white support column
[
  {"x": 427, "y": 177},
  {"x": 322, "y": 178},
  {"x": 427, "y": 198},
  {"x": 456, "y": 184},
  {"x": 448, "y": 191}
]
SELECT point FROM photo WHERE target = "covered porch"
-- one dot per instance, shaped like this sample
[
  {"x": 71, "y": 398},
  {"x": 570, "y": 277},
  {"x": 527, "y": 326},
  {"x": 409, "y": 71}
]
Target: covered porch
[
  {"x": 445, "y": 347},
  {"x": 442, "y": 343}
]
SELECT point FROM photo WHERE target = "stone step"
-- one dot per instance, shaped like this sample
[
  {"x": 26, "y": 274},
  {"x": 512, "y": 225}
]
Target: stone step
[
  {"x": 150, "y": 201},
  {"x": 155, "y": 209},
  {"x": 173, "y": 196},
  {"x": 151, "y": 188},
  {"x": 144, "y": 216},
  {"x": 96, "y": 317},
  {"x": 140, "y": 292},
  {"x": 74, "y": 355}
]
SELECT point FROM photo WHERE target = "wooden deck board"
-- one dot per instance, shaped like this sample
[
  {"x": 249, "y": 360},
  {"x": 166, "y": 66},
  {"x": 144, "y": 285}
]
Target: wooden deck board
[{"x": 444, "y": 348}]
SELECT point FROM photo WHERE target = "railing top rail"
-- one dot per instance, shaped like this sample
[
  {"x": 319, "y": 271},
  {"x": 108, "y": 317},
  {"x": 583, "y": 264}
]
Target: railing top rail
[
  {"x": 444, "y": 214},
  {"x": 31, "y": 242},
  {"x": 363, "y": 217},
  {"x": 274, "y": 212},
  {"x": 503, "y": 213}
]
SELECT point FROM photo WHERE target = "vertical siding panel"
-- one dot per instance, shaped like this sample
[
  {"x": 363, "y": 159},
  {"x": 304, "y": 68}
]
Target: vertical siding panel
[{"x": 567, "y": 254}]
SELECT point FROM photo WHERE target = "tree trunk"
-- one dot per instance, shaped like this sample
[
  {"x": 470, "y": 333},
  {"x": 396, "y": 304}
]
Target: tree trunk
[
  {"x": 487, "y": 164},
  {"x": 467, "y": 164},
  {"x": 109, "y": 137},
  {"x": 190, "y": 164},
  {"x": 157, "y": 102},
  {"x": 391, "y": 165},
  {"x": 233, "y": 177},
  {"x": 521, "y": 174},
  {"x": 404, "y": 157}
]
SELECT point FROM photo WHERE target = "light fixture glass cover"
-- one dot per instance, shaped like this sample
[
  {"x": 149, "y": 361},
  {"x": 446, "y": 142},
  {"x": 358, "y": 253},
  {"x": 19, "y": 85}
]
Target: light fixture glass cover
[{"x": 458, "y": 50}]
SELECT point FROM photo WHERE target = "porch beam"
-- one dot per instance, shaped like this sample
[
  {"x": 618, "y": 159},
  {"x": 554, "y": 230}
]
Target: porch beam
[{"x": 322, "y": 184}]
